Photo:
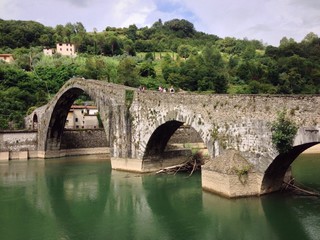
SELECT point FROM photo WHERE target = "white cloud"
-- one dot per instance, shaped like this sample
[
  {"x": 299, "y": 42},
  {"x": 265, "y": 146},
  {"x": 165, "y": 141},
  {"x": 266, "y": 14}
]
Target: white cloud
[
  {"x": 267, "y": 20},
  {"x": 9, "y": 9},
  {"x": 134, "y": 12}
]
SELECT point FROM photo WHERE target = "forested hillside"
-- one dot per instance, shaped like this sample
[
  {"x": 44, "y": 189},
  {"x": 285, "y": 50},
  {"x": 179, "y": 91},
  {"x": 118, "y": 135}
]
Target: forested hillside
[{"x": 169, "y": 53}]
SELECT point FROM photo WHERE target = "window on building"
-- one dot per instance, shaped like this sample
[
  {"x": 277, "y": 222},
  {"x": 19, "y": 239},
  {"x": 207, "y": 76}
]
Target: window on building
[{"x": 76, "y": 120}]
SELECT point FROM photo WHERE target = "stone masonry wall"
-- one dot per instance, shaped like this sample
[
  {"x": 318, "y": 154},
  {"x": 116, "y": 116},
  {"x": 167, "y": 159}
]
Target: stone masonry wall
[
  {"x": 84, "y": 139},
  {"x": 72, "y": 139},
  {"x": 18, "y": 141},
  {"x": 240, "y": 122},
  {"x": 185, "y": 134}
]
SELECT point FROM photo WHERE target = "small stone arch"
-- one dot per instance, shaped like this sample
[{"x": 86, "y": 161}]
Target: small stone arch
[{"x": 35, "y": 122}]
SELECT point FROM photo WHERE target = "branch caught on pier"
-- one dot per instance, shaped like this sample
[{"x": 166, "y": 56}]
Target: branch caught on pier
[{"x": 295, "y": 188}]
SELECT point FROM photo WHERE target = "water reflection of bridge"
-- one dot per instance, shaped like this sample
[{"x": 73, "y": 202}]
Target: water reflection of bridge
[{"x": 82, "y": 201}]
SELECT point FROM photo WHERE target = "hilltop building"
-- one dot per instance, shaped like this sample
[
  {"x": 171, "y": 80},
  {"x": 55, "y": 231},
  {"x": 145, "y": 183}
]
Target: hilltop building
[
  {"x": 65, "y": 49},
  {"x": 8, "y": 58},
  {"x": 49, "y": 51}
]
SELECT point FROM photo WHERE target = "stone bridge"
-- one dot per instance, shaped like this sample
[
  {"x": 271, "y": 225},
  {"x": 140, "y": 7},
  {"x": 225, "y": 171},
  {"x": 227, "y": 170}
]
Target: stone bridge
[{"x": 234, "y": 128}]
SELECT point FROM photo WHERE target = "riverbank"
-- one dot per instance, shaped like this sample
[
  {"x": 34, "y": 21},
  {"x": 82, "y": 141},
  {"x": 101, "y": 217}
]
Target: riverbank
[{"x": 314, "y": 149}]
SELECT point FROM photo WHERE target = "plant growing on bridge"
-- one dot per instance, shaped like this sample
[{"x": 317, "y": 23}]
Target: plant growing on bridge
[
  {"x": 283, "y": 132},
  {"x": 129, "y": 98},
  {"x": 243, "y": 173}
]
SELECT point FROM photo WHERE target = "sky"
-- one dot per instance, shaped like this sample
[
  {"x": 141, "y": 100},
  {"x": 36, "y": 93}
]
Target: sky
[{"x": 264, "y": 20}]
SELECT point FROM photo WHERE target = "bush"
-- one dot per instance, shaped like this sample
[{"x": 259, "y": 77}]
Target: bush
[{"x": 283, "y": 133}]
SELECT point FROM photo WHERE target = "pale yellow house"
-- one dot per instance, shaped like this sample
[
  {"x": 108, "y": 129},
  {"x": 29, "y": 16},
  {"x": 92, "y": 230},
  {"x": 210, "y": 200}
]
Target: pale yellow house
[
  {"x": 85, "y": 117},
  {"x": 49, "y": 51},
  {"x": 66, "y": 49},
  {"x": 8, "y": 58}
]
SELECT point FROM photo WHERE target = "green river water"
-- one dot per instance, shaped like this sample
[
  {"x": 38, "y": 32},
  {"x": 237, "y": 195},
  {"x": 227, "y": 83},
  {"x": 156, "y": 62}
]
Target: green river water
[{"x": 82, "y": 198}]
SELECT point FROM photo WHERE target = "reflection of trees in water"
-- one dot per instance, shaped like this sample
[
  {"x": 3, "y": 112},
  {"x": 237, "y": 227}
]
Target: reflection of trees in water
[
  {"x": 78, "y": 196},
  {"x": 122, "y": 202},
  {"x": 89, "y": 201},
  {"x": 292, "y": 217},
  {"x": 241, "y": 218},
  {"x": 127, "y": 210},
  {"x": 296, "y": 217},
  {"x": 25, "y": 209},
  {"x": 176, "y": 203}
]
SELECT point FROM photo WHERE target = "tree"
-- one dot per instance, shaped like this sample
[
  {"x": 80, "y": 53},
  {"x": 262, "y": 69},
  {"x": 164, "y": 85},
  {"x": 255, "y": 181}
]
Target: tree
[
  {"x": 113, "y": 46},
  {"x": 158, "y": 24},
  {"x": 221, "y": 84},
  {"x": 147, "y": 70},
  {"x": 132, "y": 32},
  {"x": 128, "y": 47},
  {"x": 291, "y": 82},
  {"x": 95, "y": 68},
  {"x": 310, "y": 37},
  {"x": 149, "y": 57},
  {"x": 182, "y": 28},
  {"x": 184, "y": 51},
  {"x": 128, "y": 72}
]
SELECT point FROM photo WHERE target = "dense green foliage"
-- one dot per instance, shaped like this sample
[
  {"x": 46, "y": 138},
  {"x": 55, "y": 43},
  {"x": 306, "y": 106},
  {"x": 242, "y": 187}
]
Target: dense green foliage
[
  {"x": 169, "y": 53},
  {"x": 283, "y": 133}
]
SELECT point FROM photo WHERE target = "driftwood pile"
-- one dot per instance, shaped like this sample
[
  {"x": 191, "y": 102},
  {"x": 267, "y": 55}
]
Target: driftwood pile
[{"x": 193, "y": 164}]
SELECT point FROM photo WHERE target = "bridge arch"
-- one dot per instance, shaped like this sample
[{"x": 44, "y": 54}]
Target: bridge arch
[
  {"x": 55, "y": 115},
  {"x": 160, "y": 132},
  {"x": 276, "y": 171},
  {"x": 160, "y": 137},
  {"x": 60, "y": 112}
]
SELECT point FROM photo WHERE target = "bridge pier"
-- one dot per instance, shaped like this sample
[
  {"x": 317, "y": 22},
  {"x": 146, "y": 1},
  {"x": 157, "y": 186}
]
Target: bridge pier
[
  {"x": 126, "y": 164},
  {"x": 230, "y": 175}
]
